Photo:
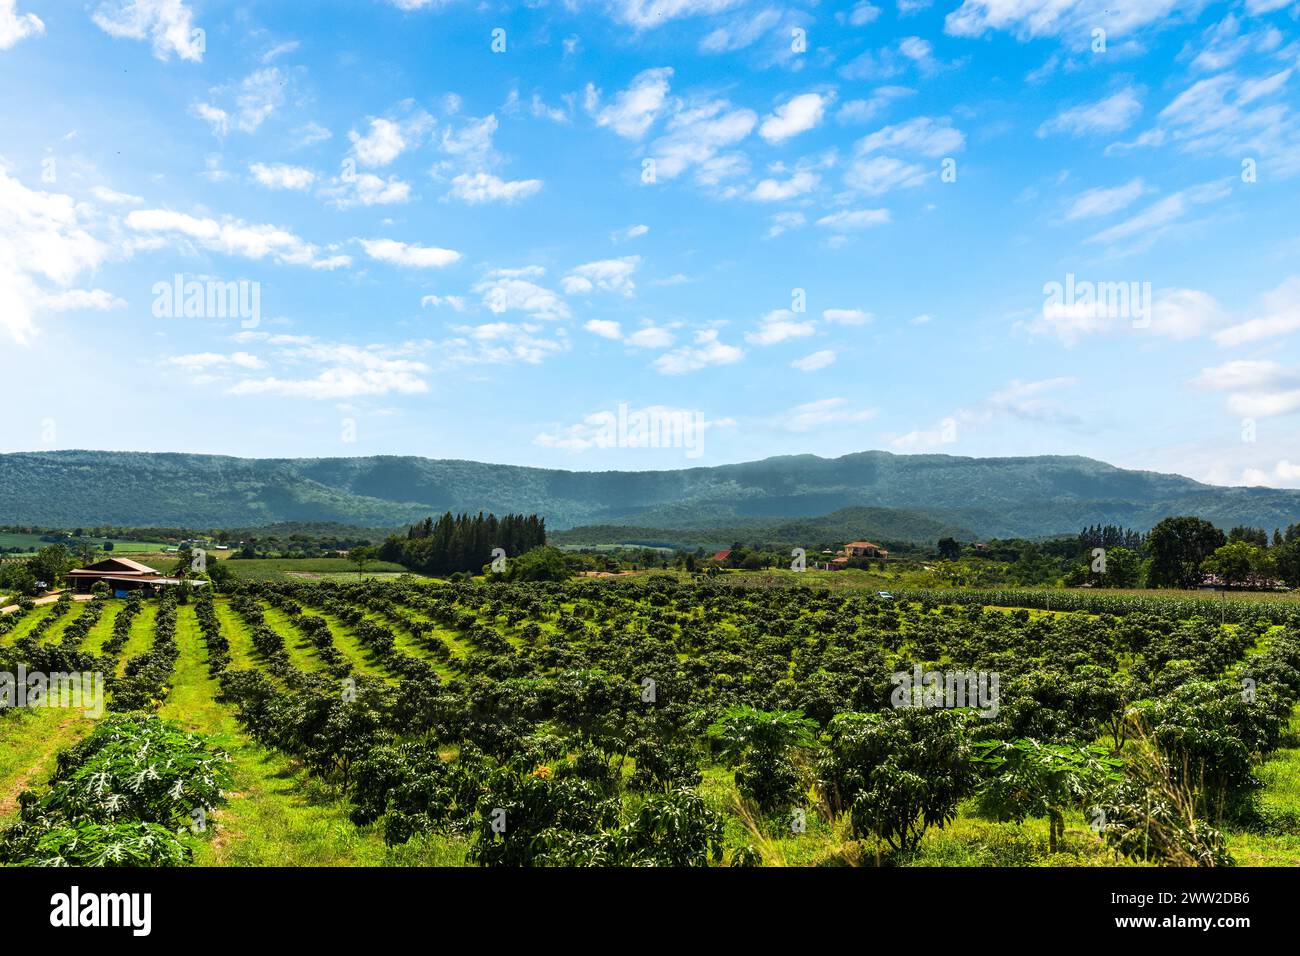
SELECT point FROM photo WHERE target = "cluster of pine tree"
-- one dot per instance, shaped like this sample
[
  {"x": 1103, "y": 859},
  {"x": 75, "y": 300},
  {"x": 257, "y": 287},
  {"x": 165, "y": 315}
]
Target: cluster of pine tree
[
  {"x": 463, "y": 542},
  {"x": 1111, "y": 536}
]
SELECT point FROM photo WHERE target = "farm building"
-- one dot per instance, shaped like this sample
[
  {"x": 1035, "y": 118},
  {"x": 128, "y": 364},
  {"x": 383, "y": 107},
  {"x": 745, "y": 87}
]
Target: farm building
[
  {"x": 122, "y": 575},
  {"x": 864, "y": 549}
]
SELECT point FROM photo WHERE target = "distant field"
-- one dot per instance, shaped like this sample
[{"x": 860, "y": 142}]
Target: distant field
[
  {"x": 853, "y": 579},
  {"x": 289, "y": 569},
  {"x": 33, "y": 543}
]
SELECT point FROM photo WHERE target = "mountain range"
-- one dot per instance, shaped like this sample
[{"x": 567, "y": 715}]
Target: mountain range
[{"x": 911, "y": 497}]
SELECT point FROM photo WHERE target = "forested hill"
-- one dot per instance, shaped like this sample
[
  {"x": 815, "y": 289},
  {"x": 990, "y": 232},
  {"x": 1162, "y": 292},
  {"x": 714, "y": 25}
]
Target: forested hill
[{"x": 990, "y": 496}]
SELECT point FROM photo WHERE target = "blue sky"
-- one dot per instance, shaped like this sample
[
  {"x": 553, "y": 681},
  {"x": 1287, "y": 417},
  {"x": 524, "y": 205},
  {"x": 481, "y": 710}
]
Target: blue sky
[{"x": 478, "y": 230}]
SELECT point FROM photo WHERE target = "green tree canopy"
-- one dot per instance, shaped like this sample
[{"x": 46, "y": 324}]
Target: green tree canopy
[{"x": 1177, "y": 547}]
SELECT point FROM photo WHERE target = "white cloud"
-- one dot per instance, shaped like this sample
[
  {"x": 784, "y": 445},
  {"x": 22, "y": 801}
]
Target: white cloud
[
  {"x": 522, "y": 272},
  {"x": 1113, "y": 114},
  {"x": 207, "y": 361},
  {"x": 697, "y": 133},
  {"x": 509, "y": 290},
  {"x": 851, "y": 220},
  {"x": 455, "y": 301},
  {"x": 43, "y": 237},
  {"x": 877, "y": 175},
  {"x": 282, "y": 176},
  {"x": 778, "y": 326},
  {"x": 864, "y": 14},
  {"x": 78, "y": 300},
  {"x": 705, "y": 352},
  {"x": 381, "y": 145},
  {"x": 344, "y": 370},
  {"x": 1024, "y": 401},
  {"x": 923, "y": 134},
  {"x": 233, "y": 237},
  {"x": 1234, "y": 117},
  {"x": 785, "y": 221},
  {"x": 649, "y": 14},
  {"x": 1282, "y": 475},
  {"x": 717, "y": 170},
  {"x": 1172, "y": 313},
  {"x": 657, "y": 426},
  {"x": 472, "y": 142},
  {"x": 367, "y": 189},
  {"x": 634, "y": 110},
  {"x": 169, "y": 24},
  {"x": 114, "y": 198},
  {"x": 605, "y": 328},
  {"x": 629, "y": 233},
  {"x": 1157, "y": 218},
  {"x": 847, "y": 316},
  {"x": 873, "y": 173},
  {"x": 610, "y": 275},
  {"x": 15, "y": 26},
  {"x": 745, "y": 29},
  {"x": 367, "y": 374},
  {"x": 1184, "y": 313},
  {"x": 279, "y": 50},
  {"x": 1258, "y": 404},
  {"x": 309, "y": 134},
  {"x": 409, "y": 255},
  {"x": 777, "y": 190},
  {"x": 471, "y": 157},
  {"x": 647, "y": 337},
  {"x": 1072, "y": 20},
  {"x": 255, "y": 99},
  {"x": 1103, "y": 201},
  {"x": 1281, "y": 317},
  {"x": 815, "y": 361},
  {"x": 499, "y": 343},
  {"x": 1244, "y": 374},
  {"x": 863, "y": 111},
  {"x": 797, "y": 115},
  {"x": 1222, "y": 44},
  {"x": 827, "y": 411},
  {"x": 214, "y": 116},
  {"x": 484, "y": 187},
  {"x": 386, "y": 138},
  {"x": 651, "y": 337}
]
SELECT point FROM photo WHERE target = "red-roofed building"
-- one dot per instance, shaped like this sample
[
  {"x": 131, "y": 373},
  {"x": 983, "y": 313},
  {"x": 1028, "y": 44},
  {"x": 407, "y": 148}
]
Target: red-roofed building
[
  {"x": 861, "y": 550},
  {"x": 722, "y": 555},
  {"x": 122, "y": 575},
  {"x": 864, "y": 549}
]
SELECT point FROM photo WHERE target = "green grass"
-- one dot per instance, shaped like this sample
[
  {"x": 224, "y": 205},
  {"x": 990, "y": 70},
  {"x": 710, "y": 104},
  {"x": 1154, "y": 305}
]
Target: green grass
[
  {"x": 33, "y": 617},
  {"x": 141, "y": 635},
  {"x": 308, "y": 569},
  {"x": 276, "y": 815},
  {"x": 103, "y": 628},
  {"x": 30, "y": 741},
  {"x": 362, "y": 658},
  {"x": 302, "y": 654},
  {"x": 31, "y": 543},
  {"x": 1277, "y": 841}
]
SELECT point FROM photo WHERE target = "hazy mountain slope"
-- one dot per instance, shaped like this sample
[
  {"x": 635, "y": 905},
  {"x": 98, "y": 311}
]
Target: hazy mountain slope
[
  {"x": 988, "y": 496},
  {"x": 881, "y": 524}
]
